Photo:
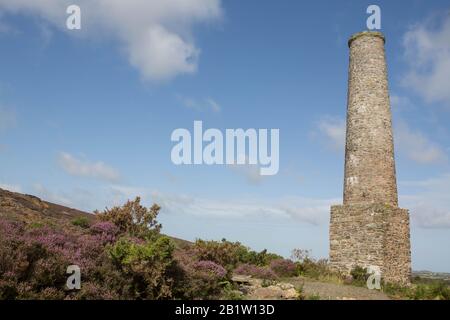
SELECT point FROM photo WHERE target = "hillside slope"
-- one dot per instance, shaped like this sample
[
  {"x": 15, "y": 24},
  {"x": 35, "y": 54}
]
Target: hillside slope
[{"x": 26, "y": 208}]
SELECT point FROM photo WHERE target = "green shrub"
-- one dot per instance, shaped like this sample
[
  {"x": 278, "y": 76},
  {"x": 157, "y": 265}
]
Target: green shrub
[
  {"x": 440, "y": 290},
  {"x": 231, "y": 254},
  {"x": 300, "y": 292},
  {"x": 81, "y": 222},
  {"x": 429, "y": 289},
  {"x": 149, "y": 265},
  {"x": 262, "y": 258},
  {"x": 230, "y": 292},
  {"x": 225, "y": 253},
  {"x": 359, "y": 276}
]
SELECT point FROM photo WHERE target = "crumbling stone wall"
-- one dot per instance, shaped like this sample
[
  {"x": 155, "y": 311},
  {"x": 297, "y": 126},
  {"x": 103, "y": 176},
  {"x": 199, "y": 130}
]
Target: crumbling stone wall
[{"x": 370, "y": 229}]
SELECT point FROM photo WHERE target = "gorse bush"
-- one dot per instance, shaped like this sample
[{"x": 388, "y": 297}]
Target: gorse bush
[
  {"x": 225, "y": 253},
  {"x": 231, "y": 254},
  {"x": 81, "y": 222},
  {"x": 147, "y": 265},
  {"x": 133, "y": 218}
]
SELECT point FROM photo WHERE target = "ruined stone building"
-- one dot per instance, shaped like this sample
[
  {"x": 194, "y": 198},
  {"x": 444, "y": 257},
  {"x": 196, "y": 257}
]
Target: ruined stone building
[{"x": 369, "y": 229}]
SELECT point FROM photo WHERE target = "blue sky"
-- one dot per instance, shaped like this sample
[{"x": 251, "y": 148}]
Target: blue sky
[{"x": 86, "y": 115}]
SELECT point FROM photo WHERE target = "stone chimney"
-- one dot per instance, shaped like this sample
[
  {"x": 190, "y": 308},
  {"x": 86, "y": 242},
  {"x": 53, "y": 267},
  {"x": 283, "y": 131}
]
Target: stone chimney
[
  {"x": 369, "y": 150},
  {"x": 370, "y": 229}
]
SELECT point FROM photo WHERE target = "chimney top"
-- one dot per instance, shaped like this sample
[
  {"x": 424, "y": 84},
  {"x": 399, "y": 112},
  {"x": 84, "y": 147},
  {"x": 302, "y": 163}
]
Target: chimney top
[{"x": 366, "y": 33}]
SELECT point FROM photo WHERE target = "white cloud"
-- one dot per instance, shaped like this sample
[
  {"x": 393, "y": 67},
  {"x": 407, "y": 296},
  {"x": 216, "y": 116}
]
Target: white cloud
[
  {"x": 47, "y": 195},
  {"x": 312, "y": 211},
  {"x": 430, "y": 205},
  {"x": 414, "y": 144},
  {"x": 83, "y": 168},
  {"x": 427, "y": 51},
  {"x": 333, "y": 130},
  {"x": 417, "y": 146},
  {"x": 10, "y": 187},
  {"x": 156, "y": 35},
  {"x": 207, "y": 104}
]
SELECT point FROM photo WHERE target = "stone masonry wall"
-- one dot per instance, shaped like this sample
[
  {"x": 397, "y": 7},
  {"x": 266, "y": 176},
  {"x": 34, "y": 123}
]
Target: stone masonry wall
[
  {"x": 397, "y": 252},
  {"x": 371, "y": 235}
]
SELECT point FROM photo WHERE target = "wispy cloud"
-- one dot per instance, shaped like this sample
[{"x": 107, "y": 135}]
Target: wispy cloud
[
  {"x": 429, "y": 205},
  {"x": 308, "y": 210},
  {"x": 312, "y": 211},
  {"x": 201, "y": 105},
  {"x": 412, "y": 143},
  {"x": 55, "y": 197},
  {"x": 155, "y": 35},
  {"x": 333, "y": 131},
  {"x": 10, "y": 187},
  {"x": 84, "y": 168},
  {"x": 427, "y": 52},
  {"x": 417, "y": 147}
]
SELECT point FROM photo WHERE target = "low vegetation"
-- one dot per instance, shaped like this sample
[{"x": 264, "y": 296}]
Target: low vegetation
[{"x": 122, "y": 254}]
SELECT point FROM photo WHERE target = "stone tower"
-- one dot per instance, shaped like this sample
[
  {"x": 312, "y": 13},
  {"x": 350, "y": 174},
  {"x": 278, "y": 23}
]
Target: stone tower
[{"x": 369, "y": 229}]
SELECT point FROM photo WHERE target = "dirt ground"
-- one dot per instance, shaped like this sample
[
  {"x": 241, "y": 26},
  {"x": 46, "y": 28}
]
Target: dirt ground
[{"x": 331, "y": 291}]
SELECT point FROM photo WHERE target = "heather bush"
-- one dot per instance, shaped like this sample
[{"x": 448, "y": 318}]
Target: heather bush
[
  {"x": 256, "y": 271},
  {"x": 283, "y": 267},
  {"x": 106, "y": 228},
  {"x": 199, "y": 279},
  {"x": 211, "y": 269},
  {"x": 28, "y": 269},
  {"x": 206, "y": 280},
  {"x": 96, "y": 291}
]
